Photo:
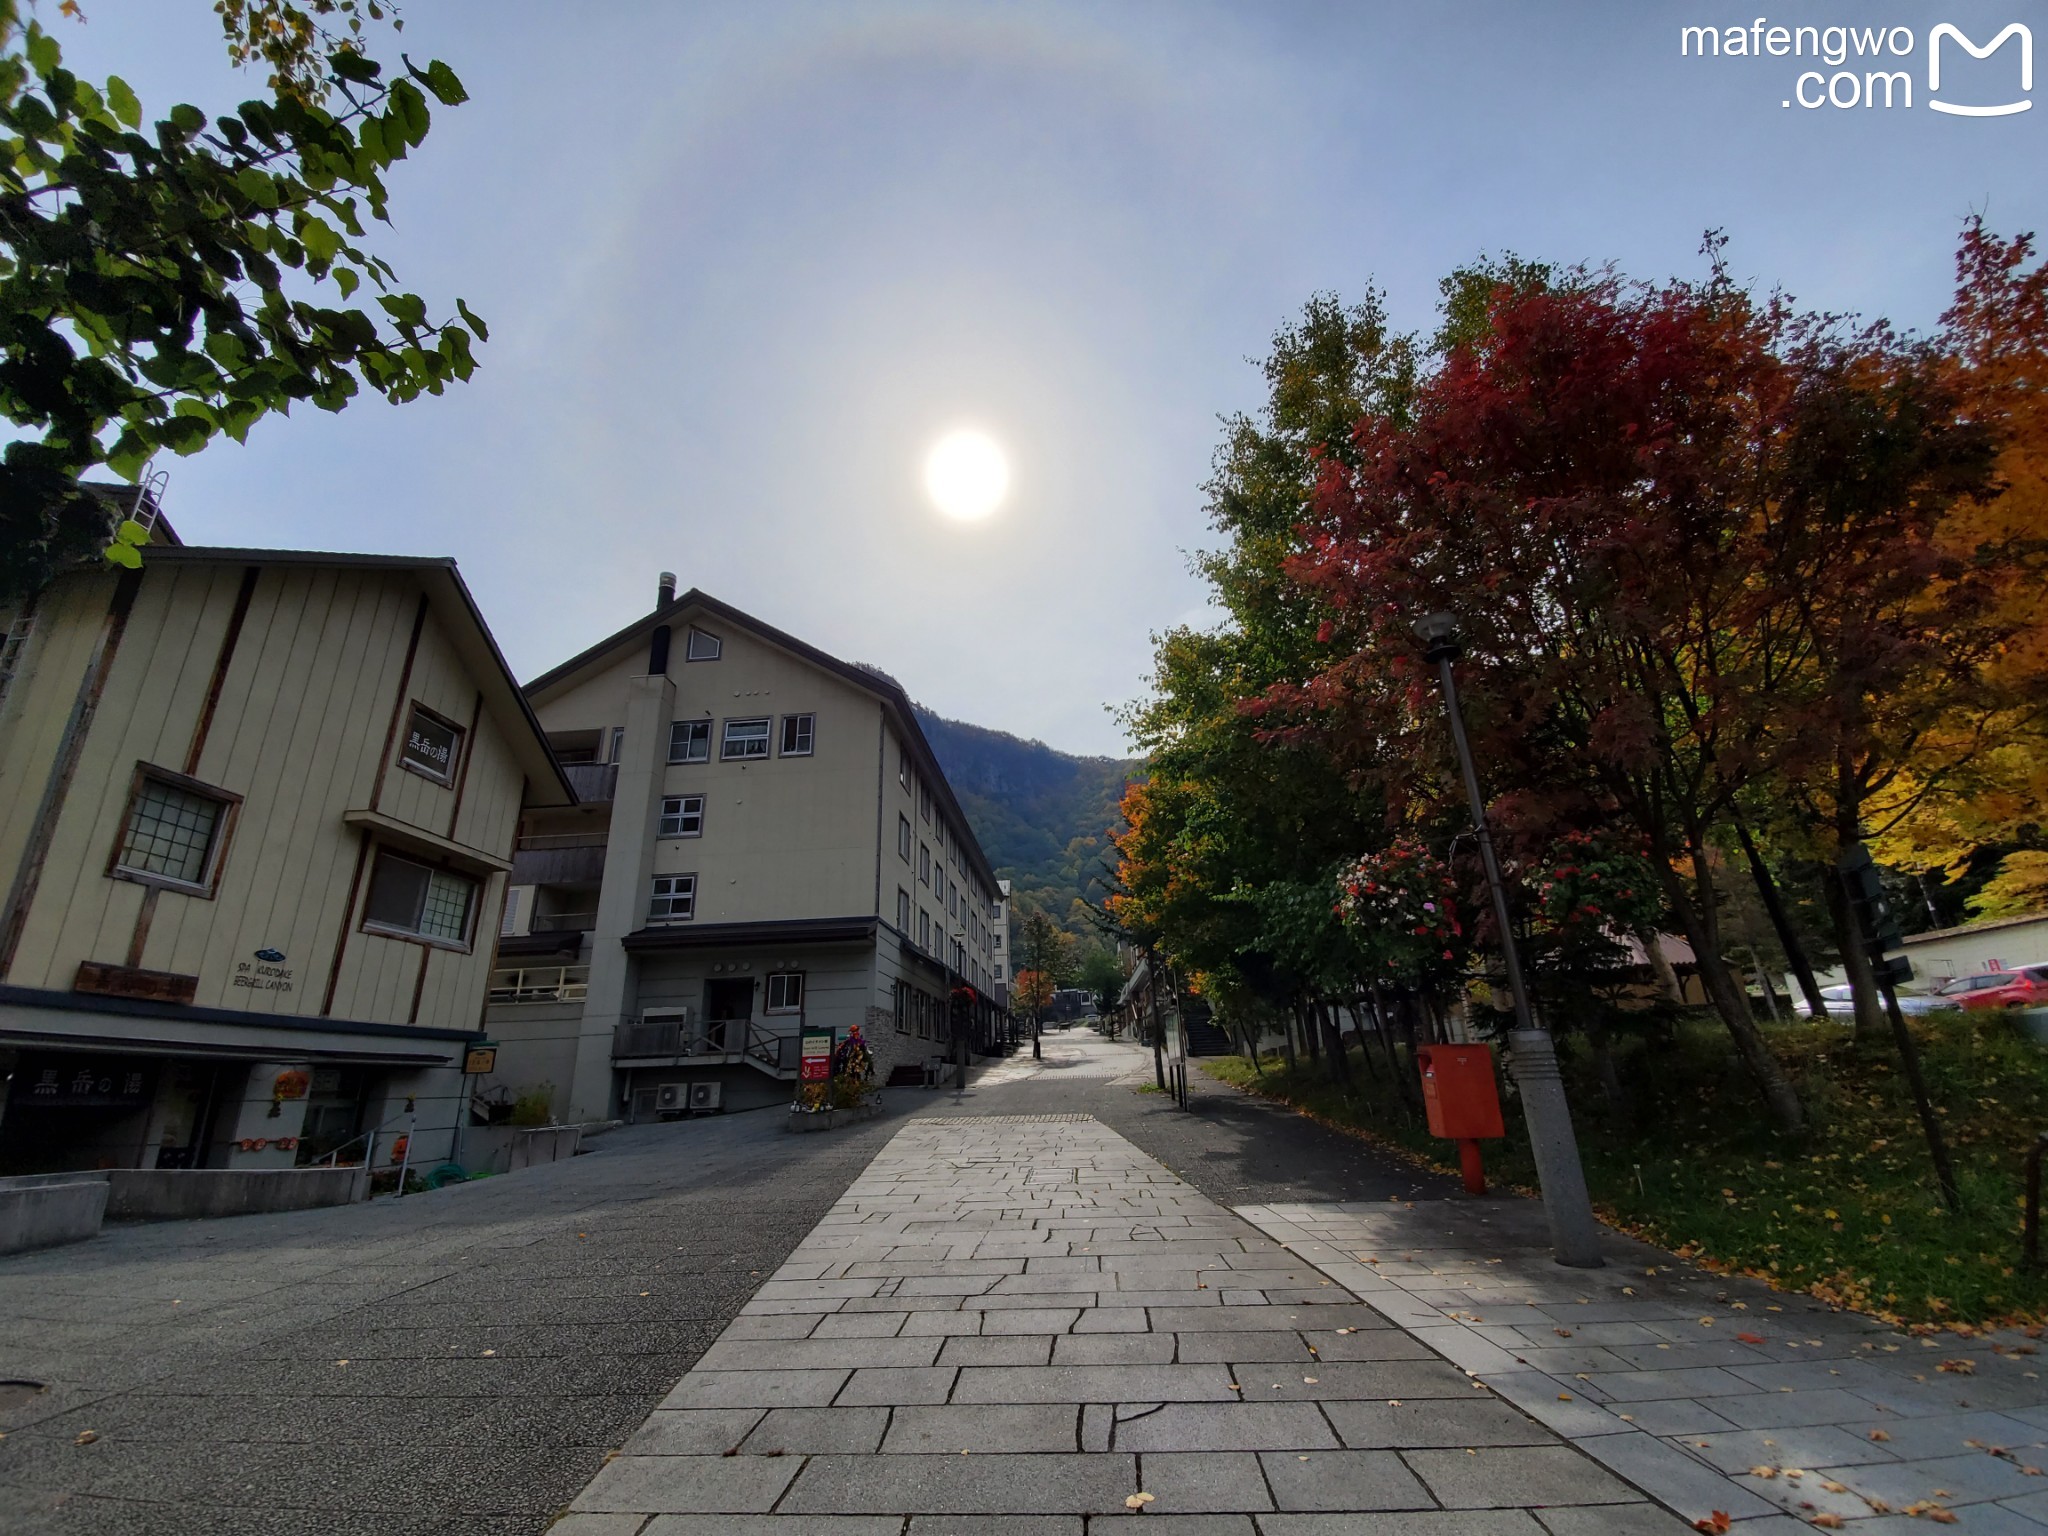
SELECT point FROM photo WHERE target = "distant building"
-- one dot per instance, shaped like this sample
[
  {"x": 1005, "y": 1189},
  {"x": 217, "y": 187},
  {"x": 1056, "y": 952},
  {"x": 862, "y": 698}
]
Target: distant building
[
  {"x": 999, "y": 928},
  {"x": 256, "y": 816},
  {"x": 764, "y": 843}
]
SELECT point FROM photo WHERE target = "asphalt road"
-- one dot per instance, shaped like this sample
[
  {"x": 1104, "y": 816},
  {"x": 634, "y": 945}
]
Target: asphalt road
[{"x": 460, "y": 1363}]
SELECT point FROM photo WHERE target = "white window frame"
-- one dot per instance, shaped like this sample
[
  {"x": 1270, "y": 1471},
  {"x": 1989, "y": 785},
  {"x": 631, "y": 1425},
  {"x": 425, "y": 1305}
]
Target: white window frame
[
  {"x": 675, "y": 822},
  {"x": 727, "y": 741},
  {"x": 807, "y": 734},
  {"x": 226, "y": 806},
  {"x": 787, "y": 979},
  {"x": 435, "y": 872},
  {"x": 702, "y": 645},
  {"x": 678, "y": 889}
]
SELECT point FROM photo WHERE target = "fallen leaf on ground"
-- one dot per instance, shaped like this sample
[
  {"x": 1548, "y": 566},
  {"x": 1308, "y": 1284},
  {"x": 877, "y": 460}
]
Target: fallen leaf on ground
[
  {"x": 1137, "y": 1501},
  {"x": 1750, "y": 1338},
  {"x": 1828, "y": 1522},
  {"x": 1715, "y": 1524},
  {"x": 1763, "y": 1471},
  {"x": 1958, "y": 1367},
  {"x": 86, "y": 1437},
  {"x": 1878, "y": 1434}
]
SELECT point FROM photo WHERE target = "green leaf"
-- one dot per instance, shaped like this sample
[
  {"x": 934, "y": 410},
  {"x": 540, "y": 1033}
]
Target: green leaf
[
  {"x": 187, "y": 119},
  {"x": 125, "y": 554},
  {"x": 441, "y": 81},
  {"x": 44, "y": 56},
  {"x": 319, "y": 238},
  {"x": 468, "y": 314},
  {"x": 131, "y": 532},
  {"x": 256, "y": 186},
  {"x": 123, "y": 100},
  {"x": 346, "y": 279},
  {"x": 408, "y": 105},
  {"x": 357, "y": 68}
]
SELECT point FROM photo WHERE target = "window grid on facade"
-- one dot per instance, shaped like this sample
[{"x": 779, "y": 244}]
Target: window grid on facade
[
  {"x": 785, "y": 992},
  {"x": 745, "y": 738},
  {"x": 702, "y": 647},
  {"x": 924, "y": 863},
  {"x": 798, "y": 732},
  {"x": 903, "y": 837},
  {"x": 675, "y": 899},
  {"x": 682, "y": 816},
  {"x": 170, "y": 832},
  {"x": 445, "y": 913},
  {"x": 902, "y": 909},
  {"x": 689, "y": 741}
]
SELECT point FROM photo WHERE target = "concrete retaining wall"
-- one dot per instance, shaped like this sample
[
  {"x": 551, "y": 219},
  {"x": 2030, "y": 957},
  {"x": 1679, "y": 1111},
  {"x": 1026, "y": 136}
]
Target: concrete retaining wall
[
  {"x": 179, "y": 1194},
  {"x": 44, "y": 1210}
]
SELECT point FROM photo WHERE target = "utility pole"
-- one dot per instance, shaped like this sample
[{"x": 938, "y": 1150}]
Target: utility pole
[{"x": 1574, "y": 1235}]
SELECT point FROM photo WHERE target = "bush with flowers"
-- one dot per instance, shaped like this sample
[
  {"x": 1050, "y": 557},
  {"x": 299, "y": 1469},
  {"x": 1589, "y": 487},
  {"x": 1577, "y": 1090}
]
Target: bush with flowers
[
  {"x": 1399, "y": 905},
  {"x": 1592, "y": 892}
]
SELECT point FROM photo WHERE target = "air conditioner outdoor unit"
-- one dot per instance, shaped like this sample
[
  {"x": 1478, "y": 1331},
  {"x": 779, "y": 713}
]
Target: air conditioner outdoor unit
[
  {"x": 671, "y": 1095},
  {"x": 705, "y": 1097}
]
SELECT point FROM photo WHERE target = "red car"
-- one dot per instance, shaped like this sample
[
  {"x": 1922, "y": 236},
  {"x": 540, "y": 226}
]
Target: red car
[{"x": 2025, "y": 987}]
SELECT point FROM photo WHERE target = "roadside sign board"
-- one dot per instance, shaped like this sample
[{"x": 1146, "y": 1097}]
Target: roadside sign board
[
  {"x": 815, "y": 1062},
  {"x": 480, "y": 1060}
]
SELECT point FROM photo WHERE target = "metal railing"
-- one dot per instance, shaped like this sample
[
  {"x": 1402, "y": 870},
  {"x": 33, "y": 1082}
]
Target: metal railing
[
  {"x": 539, "y": 984},
  {"x": 726, "y": 1039}
]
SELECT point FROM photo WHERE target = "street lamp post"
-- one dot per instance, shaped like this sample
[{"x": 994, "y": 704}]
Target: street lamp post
[{"x": 1574, "y": 1236}]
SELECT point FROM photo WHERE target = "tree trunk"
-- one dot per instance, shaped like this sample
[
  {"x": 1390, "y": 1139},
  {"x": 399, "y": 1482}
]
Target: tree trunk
[
  {"x": 1333, "y": 1040},
  {"x": 1703, "y": 932},
  {"x": 1660, "y": 966},
  {"x": 1372, "y": 1073},
  {"x": 1158, "y": 1032},
  {"x": 1603, "y": 1062},
  {"x": 1795, "y": 953},
  {"x": 1870, "y": 1019}
]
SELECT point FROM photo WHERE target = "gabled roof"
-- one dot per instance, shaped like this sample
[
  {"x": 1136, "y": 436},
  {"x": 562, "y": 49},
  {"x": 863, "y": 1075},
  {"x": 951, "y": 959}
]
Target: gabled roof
[
  {"x": 869, "y": 679},
  {"x": 460, "y": 617}
]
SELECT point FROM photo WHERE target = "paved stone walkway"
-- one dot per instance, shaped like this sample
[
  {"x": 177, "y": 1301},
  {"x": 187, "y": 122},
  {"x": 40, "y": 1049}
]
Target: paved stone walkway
[
  {"x": 1709, "y": 1392},
  {"x": 1023, "y": 1326}
]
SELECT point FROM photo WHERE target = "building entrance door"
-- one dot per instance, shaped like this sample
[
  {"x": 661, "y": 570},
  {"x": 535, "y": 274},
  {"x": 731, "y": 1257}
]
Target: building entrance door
[{"x": 728, "y": 1006}]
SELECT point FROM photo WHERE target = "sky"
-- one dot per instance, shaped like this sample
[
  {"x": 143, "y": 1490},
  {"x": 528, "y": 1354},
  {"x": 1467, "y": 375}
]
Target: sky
[{"x": 744, "y": 262}]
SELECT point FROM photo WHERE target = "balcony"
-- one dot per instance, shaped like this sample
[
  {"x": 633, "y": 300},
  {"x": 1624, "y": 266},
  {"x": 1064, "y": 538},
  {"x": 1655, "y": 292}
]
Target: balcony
[
  {"x": 594, "y": 783},
  {"x": 540, "y": 984},
  {"x": 563, "y": 922},
  {"x": 559, "y": 859}
]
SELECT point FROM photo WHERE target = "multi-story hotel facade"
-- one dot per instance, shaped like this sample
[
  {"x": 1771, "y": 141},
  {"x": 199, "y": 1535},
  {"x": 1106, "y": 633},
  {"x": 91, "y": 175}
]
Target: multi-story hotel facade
[{"x": 763, "y": 843}]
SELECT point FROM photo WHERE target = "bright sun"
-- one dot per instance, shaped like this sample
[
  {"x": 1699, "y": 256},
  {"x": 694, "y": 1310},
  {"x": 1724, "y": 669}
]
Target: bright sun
[{"x": 966, "y": 475}]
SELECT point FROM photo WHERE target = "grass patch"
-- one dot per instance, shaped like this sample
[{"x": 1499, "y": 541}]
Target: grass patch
[{"x": 1850, "y": 1212}]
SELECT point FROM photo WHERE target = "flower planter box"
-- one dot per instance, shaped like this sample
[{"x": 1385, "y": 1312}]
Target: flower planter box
[{"x": 825, "y": 1119}]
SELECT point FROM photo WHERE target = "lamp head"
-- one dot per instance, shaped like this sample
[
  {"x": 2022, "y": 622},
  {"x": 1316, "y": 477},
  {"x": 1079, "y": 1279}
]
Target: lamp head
[{"x": 1438, "y": 633}]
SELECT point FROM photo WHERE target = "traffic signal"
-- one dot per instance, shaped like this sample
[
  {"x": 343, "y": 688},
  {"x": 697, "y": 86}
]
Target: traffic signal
[{"x": 1864, "y": 888}]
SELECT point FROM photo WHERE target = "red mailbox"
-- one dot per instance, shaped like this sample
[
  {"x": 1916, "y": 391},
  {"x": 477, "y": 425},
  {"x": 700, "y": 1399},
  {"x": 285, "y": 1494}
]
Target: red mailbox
[{"x": 1463, "y": 1101}]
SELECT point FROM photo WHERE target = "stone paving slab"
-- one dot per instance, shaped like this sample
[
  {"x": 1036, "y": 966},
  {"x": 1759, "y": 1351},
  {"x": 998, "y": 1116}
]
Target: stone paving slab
[
  {"x": 1026, "y": 1327},
  {"x": 1709, "y": 1393}
]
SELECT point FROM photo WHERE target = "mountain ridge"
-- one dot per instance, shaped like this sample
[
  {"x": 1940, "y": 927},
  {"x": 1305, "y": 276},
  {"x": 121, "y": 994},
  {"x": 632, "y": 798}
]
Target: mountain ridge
[{"x": 1042, "y": 816}]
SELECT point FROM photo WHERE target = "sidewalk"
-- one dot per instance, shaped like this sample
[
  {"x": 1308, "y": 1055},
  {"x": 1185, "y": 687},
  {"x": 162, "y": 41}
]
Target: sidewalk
[
  {"x": 1023, "y": 1326},
  {"x": 1711, "y": 1393}
]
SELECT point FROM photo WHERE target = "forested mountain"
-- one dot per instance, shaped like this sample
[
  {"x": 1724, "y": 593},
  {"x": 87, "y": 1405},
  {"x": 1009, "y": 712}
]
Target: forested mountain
[{"x": 1043, "y": 816}]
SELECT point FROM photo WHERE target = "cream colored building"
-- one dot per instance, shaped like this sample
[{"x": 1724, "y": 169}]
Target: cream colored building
[
  {"x": 764, "y": 843},
  {"x": 257, "y": 810}
]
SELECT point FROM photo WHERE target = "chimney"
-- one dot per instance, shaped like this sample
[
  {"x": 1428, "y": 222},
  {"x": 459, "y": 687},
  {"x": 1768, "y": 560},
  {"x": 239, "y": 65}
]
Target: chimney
[{"x": 666, "y": 590}]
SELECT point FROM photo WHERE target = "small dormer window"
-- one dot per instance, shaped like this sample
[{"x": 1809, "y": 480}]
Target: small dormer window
[{"x": 702, "y": 647}]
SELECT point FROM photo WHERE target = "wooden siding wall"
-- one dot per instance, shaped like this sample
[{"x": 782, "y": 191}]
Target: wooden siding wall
[{"x": 300, "y": 726}]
